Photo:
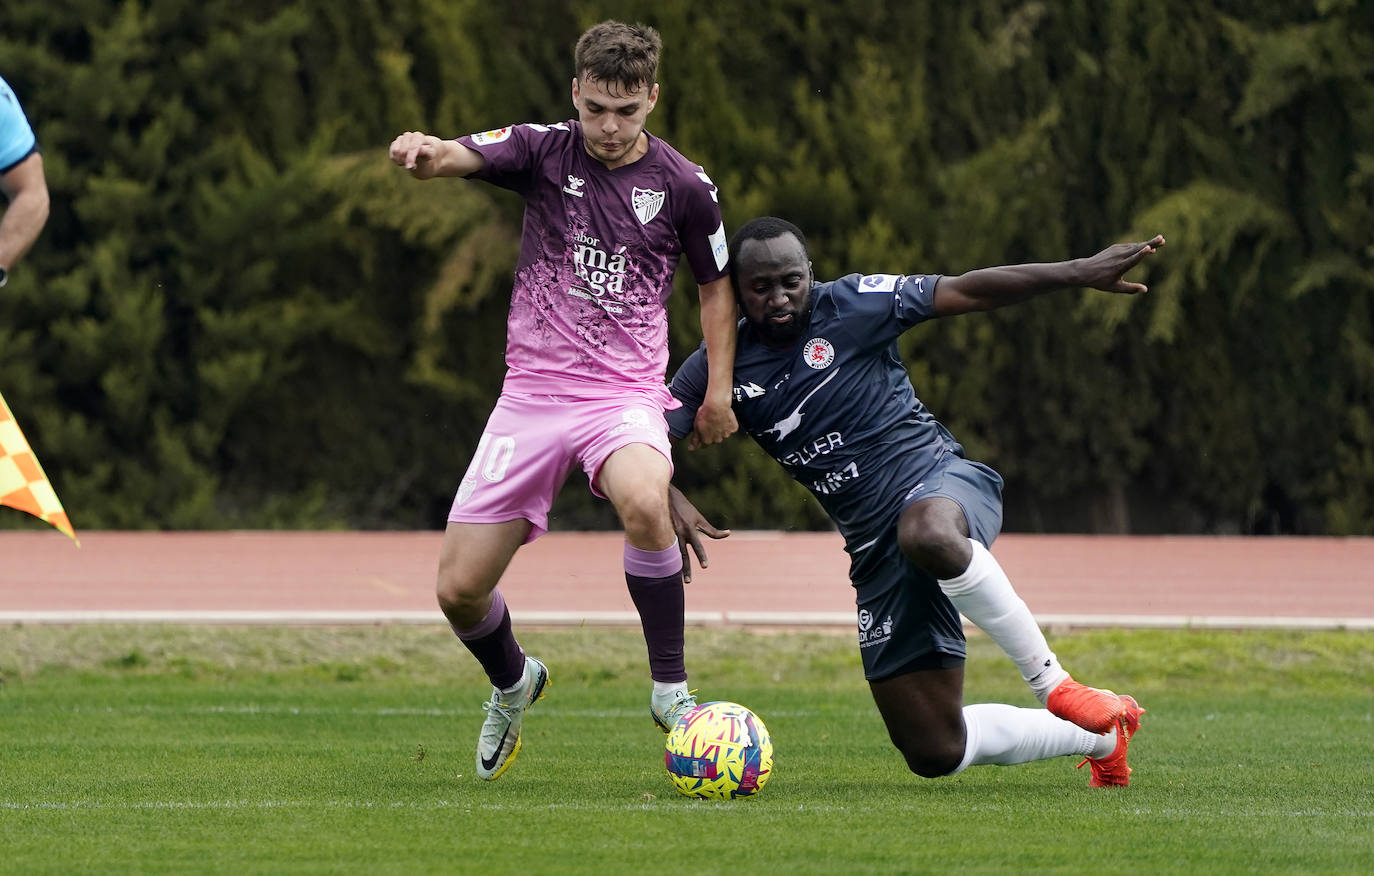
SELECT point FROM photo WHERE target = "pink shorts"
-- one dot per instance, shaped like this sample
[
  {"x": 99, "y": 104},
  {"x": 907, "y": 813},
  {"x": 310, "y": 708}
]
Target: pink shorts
[{"x": 529, "y": 448}]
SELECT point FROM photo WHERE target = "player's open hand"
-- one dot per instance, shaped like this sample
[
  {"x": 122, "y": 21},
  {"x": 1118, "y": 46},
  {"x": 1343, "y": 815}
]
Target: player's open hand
[
  {"x": 690, "y": 526},
  {"x": 417, "y": 152},
  {"x": 1106, "y": 270}
]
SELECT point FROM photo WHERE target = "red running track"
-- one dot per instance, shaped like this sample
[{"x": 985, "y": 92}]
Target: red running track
[{"x": 754, "y": 578}]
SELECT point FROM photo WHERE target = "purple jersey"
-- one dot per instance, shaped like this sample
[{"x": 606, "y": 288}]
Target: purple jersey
[{"x": 597, "y": 257}]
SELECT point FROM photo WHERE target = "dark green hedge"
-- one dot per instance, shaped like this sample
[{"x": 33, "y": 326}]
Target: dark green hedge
[{"x": 240, "y": 315}]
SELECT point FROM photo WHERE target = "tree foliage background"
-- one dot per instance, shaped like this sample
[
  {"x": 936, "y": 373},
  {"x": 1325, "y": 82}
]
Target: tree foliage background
[{"x": 241, "y": 315}]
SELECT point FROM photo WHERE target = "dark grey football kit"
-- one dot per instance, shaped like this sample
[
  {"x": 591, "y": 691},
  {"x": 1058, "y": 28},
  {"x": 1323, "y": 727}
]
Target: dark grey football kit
[{"x": 838, "y": 412}]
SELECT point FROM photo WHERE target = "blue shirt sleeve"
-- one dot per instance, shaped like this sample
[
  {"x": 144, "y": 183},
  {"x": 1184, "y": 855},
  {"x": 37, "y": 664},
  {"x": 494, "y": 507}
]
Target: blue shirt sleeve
[
  {"x": 879, "y": 307},
  {"x": 17, "y": 141},
  {"x": 689, "y": 387}
]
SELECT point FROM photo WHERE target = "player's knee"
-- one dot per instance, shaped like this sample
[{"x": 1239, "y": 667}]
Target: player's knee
[
  {"x": 644, "y": 514},
  {"x": 933, "y": 543},
  {"x": 939, "y": 553},
  {"x": 457, "y": 593},
  {"x": 930, "y": 751},
  {"x": 931, "y": 761}
]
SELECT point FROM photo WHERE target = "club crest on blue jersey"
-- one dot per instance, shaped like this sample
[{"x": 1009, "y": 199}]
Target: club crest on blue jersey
[
  {"x": 819, "y": 353},
  {"x": 647, "y": 203}
]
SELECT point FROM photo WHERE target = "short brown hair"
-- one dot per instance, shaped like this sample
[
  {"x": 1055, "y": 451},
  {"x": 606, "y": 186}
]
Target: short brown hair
[{"x": 617, "y": 54}]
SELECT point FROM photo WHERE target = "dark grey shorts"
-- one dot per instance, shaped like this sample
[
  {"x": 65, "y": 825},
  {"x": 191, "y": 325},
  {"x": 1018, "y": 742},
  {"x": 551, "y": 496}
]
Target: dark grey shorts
[{"x": 904, "y": 618}]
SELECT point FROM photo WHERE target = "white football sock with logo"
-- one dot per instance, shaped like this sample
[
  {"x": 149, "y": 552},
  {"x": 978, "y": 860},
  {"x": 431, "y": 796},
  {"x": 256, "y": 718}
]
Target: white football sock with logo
[
  {"x": 997, "y": 733},
  {"x": 663, "y": 688},
  {"x": 984, "y": 595}
]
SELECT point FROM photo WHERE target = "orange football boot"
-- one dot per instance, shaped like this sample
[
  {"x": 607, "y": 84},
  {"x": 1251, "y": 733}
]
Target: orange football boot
[
  {"x": 1112, "y": 770},
  {"x": 1091, "y": 708}
]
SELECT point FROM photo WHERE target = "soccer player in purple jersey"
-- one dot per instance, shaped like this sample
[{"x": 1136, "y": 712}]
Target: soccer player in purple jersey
[
  {"x": 609, "y": 211},
  {"x": 823, "y": 391}
]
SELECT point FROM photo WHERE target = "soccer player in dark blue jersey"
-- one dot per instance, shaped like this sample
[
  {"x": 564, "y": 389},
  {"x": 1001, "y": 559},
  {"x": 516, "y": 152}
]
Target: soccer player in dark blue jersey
[{"x": 819, "y": 385}]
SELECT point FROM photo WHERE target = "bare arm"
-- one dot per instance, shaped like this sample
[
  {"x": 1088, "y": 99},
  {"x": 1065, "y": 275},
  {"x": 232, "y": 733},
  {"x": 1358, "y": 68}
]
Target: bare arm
[
  {"x": 427, "y": 156},
  {"x": 27, "y": 190},
  {"x": 715, "y": 420},
  {"x": 987, "y": 288}
]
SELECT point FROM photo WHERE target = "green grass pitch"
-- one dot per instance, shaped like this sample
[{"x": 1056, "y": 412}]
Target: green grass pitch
[{"x": 349, "y": 750}]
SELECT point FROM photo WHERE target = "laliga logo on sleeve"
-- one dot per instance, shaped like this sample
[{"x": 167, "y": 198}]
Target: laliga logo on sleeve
[
  {"x": 487, "y": 138},
  {"x": 819, "y": 353}
]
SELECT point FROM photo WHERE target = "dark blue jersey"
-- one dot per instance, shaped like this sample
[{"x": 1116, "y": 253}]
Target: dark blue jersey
[{"x": 837, "y": 410}]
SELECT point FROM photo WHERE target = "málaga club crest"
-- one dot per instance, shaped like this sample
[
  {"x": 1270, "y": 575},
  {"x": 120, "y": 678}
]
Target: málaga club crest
[{"x": 647, "y": 203}]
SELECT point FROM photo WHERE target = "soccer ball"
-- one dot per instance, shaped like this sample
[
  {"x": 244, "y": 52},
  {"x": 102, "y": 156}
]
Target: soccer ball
[{"x": 719, "y": 750}]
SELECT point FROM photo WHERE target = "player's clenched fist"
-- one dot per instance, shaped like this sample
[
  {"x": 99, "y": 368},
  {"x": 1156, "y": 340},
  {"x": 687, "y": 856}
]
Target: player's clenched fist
[{"x": 416, "y": 152}]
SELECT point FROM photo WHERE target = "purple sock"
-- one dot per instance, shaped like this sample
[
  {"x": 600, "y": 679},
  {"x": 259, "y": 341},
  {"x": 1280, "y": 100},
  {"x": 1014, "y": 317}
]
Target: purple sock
[
  {"x": 494, "y": 646},
  {"x": 655, "y": 582}
]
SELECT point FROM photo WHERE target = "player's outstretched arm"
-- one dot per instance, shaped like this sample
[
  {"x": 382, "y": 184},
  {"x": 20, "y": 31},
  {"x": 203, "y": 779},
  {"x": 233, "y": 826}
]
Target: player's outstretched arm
[
  {"x": 427, "y": 156},
  {"x": 987, "y": 288},
  {"x": 690, "y": 526}
]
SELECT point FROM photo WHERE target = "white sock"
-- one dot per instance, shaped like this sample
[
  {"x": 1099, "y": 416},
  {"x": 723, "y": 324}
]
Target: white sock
[
  {"x": 985, "y": 596},
  {"x": 1001, "y": 734},
  {"x": 666, "y": 687},
  {"x": 1104, "y": 744},
  {"x": 508, "y": 693}
]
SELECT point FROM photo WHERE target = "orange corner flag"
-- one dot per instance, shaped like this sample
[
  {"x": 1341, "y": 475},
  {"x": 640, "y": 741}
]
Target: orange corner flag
[{"x": 22, "y": 482}]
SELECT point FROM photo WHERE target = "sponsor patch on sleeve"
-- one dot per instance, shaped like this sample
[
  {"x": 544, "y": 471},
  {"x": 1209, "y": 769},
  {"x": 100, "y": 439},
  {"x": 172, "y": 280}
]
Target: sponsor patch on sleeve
[
  {"x": 487, "y": 138},
  {"x": 719, "y": 247},
  {"x": 879, "y": 282}
]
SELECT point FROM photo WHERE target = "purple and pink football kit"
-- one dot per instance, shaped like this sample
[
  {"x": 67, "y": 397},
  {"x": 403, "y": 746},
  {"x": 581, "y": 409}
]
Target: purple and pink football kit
[{"x": 587, "y": 335}]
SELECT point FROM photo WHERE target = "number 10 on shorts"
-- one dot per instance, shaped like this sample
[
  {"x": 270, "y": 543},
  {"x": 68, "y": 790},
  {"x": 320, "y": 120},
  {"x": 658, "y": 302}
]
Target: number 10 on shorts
[
  {"x": 492, "y": 457},
  {"x": 490, "y": 461}
]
